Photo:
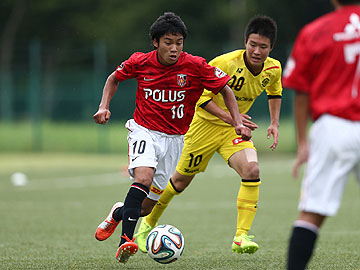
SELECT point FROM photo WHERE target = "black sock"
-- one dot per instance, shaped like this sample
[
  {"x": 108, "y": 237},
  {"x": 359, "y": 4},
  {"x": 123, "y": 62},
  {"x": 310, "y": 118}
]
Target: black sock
[
  {"x": 131, "y": 209},
  {"x": 118, "y": 214},
  {"x": 301, "y": 247}
]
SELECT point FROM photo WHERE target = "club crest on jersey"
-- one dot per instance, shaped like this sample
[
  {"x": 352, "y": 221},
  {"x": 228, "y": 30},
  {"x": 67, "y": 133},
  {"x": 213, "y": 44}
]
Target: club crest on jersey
[
  {"x": 265, "y": 82},
  {"x": 120, "y": 67},
  {"x": 181, "y": 80},
  {"x": 219, "y": 73}
]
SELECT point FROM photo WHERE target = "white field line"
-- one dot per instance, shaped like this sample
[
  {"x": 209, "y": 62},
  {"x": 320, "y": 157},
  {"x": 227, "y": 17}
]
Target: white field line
[{"x": 107, "y": 179}]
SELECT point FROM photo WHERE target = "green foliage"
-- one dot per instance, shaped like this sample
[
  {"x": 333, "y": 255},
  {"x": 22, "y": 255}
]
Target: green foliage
[{"x": 50, "y": 223}]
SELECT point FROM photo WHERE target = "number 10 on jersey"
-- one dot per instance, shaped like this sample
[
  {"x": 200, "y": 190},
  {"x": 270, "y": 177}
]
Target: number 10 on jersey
[{"x": 177, "y": 112}]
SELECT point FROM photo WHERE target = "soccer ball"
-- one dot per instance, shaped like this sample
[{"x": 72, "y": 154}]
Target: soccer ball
[{"x": 165, "y": 244}]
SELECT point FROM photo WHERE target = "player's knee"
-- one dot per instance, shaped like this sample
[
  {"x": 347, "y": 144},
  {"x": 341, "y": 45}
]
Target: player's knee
[
  {"x": 180, "y": 182},
  {"x": 144, "y": 175},
  {"x": 252, "y": 171},
  {"x": 179, "y": 186}
]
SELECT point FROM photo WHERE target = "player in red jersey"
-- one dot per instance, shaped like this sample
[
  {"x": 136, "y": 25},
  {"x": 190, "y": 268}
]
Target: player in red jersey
[
  {"x": 170, "y": 82},
  {"x": 324, "y": 69}
]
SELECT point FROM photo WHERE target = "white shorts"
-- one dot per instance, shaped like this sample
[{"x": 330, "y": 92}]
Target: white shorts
[
  {"x": 148, "y": 148},
  {"x": 334, "y": 153}
]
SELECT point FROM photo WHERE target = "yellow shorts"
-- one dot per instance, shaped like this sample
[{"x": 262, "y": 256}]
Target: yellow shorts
[{"x": 201, "y": 142}]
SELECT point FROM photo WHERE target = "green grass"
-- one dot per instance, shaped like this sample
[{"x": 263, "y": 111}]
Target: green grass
[
  {"x": 50, "y": 223},
  {"x": 110, "y": 138}
]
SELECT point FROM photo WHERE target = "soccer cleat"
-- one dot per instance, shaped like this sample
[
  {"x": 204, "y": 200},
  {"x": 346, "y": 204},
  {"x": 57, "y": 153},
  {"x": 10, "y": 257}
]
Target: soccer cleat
[
  {"x": 129, "y": 248},
  {"x": 108, "y": 226},
  {"x": 143, "y": 233},
  {"x": 243, "y": 244}
]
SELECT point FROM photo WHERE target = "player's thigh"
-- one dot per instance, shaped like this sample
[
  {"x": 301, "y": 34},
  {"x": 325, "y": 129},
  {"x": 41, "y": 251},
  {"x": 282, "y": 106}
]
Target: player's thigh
[
  {"x": 238, "y": 153},
  {"x": 329, "y": 165},
  {"x": 169, "y": 149},
  {"x": 201, "y": 142},
  {"x": 141, "y": 147}
]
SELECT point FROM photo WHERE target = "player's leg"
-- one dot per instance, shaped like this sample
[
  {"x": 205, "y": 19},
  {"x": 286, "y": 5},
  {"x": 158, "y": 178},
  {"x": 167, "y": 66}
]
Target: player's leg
[
  {"x": 131, "y": 210},
  {"x": 176, "y": 185},
  {"x": 151, "y": 220},
  {"x": 142, "y": 163},
  {"x": 172, "y": 146},
  {"x": 327, "y": 173},
  {"x": 303, "y": 238},
  {"x": 244, "y": 162},
  {"x": 197, "y": 151}
]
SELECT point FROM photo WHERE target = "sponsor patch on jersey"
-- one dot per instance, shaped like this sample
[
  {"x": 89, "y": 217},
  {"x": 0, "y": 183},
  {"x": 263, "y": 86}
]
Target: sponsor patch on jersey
[
  {"x": 237, "y": 141},
  {"x": 219, "y": 73},
  {"x": 156, "y": 190},
  {"x": 181, "y": 80},
  {"x": 265, "y": 82},
  {"x": 120, "y": 67},
  {"x": 191, "y": 171}
]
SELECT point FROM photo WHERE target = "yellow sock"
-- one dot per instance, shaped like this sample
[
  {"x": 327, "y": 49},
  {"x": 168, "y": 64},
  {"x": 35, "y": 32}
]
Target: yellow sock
[
  {"x": 161, "y": 205},
  {"x": 247, "y": 205}
]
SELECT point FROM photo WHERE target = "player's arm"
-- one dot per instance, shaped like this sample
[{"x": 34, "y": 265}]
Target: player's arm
[
  {"x": 110, "y": 88},
  {"x": 273, "y": 129},
  {"x": 301, "y": 111},
  {"x": 231, "y": 104},
  {"x": 211, "y": 107}
]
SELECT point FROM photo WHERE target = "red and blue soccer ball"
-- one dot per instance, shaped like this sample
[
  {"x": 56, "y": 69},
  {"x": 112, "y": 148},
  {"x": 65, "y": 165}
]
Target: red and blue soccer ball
[{"x": 165, "y": 244}]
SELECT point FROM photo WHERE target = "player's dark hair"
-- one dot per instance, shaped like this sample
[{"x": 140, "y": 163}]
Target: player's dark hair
[
  {"x": 264, "y": 26},
  {"x": 169, "y": 23}
]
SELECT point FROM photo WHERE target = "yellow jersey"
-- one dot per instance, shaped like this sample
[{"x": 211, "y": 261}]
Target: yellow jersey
[{"x": 245, "y": 85}]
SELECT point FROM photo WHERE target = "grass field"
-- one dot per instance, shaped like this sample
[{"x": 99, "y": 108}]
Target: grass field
[
  {"x": 50, "y": 222},
  {"x": 88, "y": 137}
]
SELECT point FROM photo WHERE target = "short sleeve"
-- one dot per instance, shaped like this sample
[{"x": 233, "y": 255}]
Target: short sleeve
[
  {"x": 275, "y": 88},
  {"x": 213, "y": 78},
  {"x": 126, "y": 69}
]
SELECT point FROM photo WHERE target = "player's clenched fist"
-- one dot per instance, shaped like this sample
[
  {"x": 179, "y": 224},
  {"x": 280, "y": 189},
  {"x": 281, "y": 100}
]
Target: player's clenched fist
[
  {"x": 245, "y": 132},
  {"x": 102, "y": 116}
]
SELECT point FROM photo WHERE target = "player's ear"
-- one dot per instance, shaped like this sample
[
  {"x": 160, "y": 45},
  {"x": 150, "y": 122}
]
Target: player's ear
[{"x": 155, "y": 43}]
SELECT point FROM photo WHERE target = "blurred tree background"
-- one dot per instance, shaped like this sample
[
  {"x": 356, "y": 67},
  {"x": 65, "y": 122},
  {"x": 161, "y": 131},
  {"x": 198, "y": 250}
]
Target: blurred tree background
[{"x": 55, "y": 55}]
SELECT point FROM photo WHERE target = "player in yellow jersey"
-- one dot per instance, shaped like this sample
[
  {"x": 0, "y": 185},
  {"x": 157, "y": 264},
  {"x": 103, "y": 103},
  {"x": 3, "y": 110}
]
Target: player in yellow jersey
[{"x": 252, "y": 71}]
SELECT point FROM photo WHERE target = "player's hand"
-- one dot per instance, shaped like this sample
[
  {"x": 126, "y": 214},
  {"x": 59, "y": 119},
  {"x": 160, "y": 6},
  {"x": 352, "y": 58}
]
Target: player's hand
[
  {"x": 102, "y": 116},
  {"x": 301, "y": 158},
  {"x": 247, "y": 123},
  {"x": 274, "y": 131},
  {"x": 245, "y": 132}
]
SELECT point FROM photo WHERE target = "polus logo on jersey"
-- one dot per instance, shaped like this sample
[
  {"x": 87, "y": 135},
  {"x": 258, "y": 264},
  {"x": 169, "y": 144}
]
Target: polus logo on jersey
[
  {"x": 219, "y": 73},
  {"x": 181, "y": 80}
]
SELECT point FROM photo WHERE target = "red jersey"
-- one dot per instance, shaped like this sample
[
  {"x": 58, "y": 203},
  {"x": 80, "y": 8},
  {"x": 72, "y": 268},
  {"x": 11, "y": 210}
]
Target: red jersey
[
  {"x": 325, "y": 63},
  {"x": 166, "y": 95}
]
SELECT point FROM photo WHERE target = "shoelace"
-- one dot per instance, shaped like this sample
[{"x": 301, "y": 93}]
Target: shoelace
[
  {"x": 249, "y": 237},
  {"x": 127, "y": 238}
]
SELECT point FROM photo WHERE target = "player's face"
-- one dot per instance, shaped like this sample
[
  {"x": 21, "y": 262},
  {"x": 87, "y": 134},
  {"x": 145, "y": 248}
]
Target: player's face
[
  {"x": 169, "y": 48},
  {"x": 257, "y": 50}
]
